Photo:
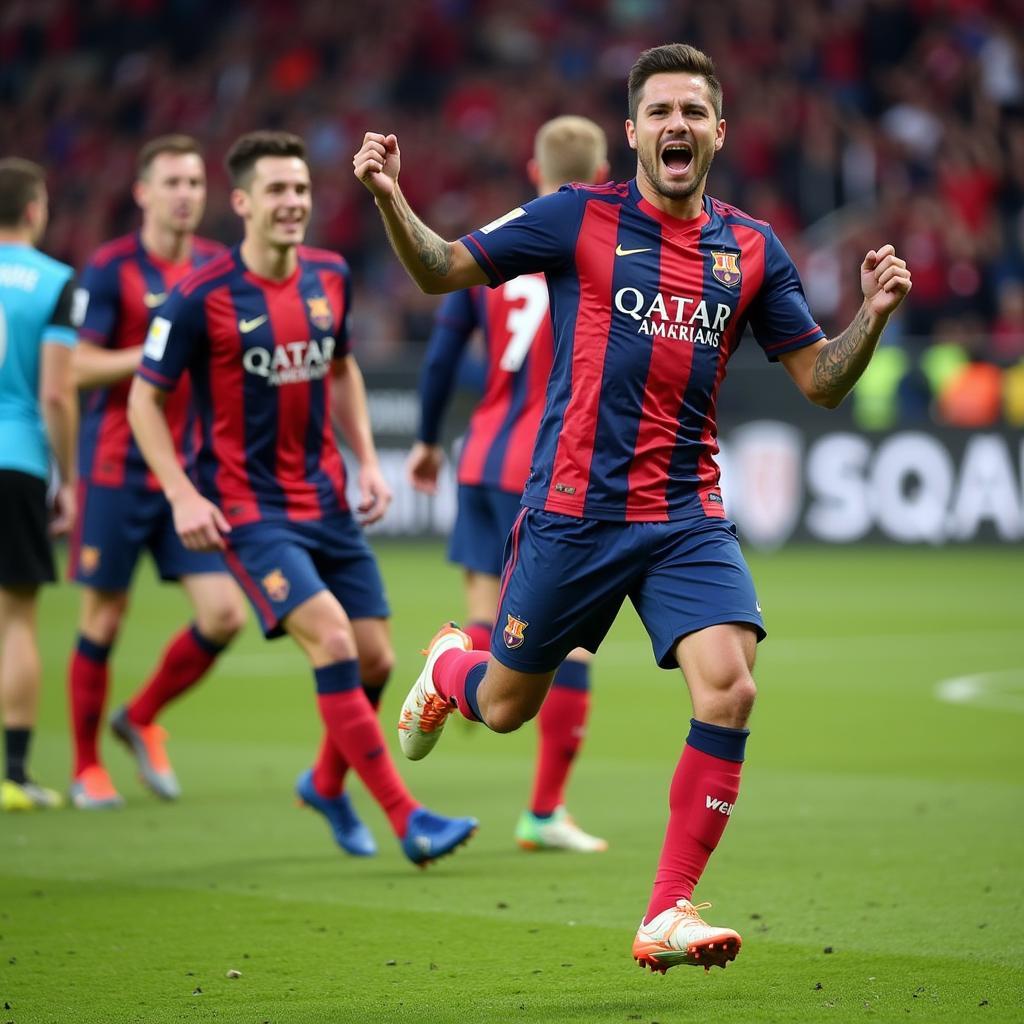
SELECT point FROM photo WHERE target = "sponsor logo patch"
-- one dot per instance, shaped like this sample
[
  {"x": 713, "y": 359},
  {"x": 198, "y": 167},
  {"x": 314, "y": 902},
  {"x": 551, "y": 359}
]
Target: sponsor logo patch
[
  {"x": 320, "y": 312},
  {"x": 156, "y": 339},
  {"x": 154, "y": 300},
  {"x": 495, "y": 224},
  {"x": 276, "y": 584},
  {"x": 89, "y": 559},
  {"x": 513, "y": 632},
  {"x": 727, "y": 268}
]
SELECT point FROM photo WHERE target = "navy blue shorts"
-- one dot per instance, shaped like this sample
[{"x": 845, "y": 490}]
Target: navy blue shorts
[
  {"x": 279, "y": 565},
  {"x": 483, "y": 522},
  {"x": 115, "y": 525},
  {"x": 566, "y": 578}
]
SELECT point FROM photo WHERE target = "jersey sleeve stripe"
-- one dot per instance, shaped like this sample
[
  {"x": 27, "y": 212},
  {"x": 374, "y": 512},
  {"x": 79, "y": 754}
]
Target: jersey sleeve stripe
[
  {"x": 156, "y": 379},
  {"x": 776, "y": 345},
  {"x": 486, "y": 263}
]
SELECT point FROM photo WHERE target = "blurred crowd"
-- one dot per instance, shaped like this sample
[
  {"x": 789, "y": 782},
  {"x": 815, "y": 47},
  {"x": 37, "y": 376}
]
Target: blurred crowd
[{"x": 850, "y": 122}]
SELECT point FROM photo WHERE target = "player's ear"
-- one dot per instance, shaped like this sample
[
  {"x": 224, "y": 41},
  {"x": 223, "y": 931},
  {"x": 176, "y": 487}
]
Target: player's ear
[
  {"x": 139, "y": 193},
  {"x": 240, "y": 201},
  {"x": 533, "y": 172},
  {"x": 630, "y": 133},
  {"x": 720, "y": 134}
]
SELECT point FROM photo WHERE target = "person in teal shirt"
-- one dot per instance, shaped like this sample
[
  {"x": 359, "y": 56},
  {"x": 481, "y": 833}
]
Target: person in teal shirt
[{"x": 38, "y": 420}]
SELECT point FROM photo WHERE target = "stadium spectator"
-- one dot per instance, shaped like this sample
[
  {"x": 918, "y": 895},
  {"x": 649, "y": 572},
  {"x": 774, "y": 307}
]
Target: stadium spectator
[
  {"x": 38, "y": 413},
  {"x": 849, "y": 99},
  {"x": 495, "y": 462},
  {"x": 123, "y": 512},
  {"x": 263, "y": 331},
  {"x": 650, "y": 281}
]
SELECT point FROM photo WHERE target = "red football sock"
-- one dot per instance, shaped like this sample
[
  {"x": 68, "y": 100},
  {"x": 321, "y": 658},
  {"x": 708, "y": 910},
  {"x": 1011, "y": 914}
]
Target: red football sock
[
  {"x": 454, "y": 674},
  {"x": 480, "y": 634},
  {"x": 561, "y": 723},
  {"x": 88, "y": 681},
  {"x": 185, "y": 661},
  {"x": 330, "y": 770},
  {"x": 355, "y": 732},
  {"x": 701, "y": 798}
]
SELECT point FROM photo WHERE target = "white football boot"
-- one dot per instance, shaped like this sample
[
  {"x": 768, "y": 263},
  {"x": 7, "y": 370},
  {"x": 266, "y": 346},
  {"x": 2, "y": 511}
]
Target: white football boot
[
  {"x": 680, "y": 935},
  {"x": 425, "y": 711}
]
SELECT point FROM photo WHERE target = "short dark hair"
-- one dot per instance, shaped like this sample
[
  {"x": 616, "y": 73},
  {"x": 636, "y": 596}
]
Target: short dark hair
[
  {"x": 671, "y": 58},
  {"x": 251, "y": 147},
  {"x": 21, "y": 182},
  {"x": 178, "y": 145}
]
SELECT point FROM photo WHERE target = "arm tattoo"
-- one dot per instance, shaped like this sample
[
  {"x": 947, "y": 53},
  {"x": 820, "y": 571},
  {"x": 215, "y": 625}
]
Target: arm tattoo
[
  {"x": 423, "y": 252},
  {"x": 841, "y": 362},
  {"x": 431, "y": 249}
]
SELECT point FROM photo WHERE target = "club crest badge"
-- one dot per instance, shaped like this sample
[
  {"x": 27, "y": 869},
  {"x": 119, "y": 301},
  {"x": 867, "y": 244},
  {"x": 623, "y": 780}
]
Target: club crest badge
[
  {"x": 727, "y": 268},
  {"x": 320, "y": 312},
  {"x": 276, "y": 585},
  {"x": 513, "y": 632},
  {"x": 89, "y": 559}
]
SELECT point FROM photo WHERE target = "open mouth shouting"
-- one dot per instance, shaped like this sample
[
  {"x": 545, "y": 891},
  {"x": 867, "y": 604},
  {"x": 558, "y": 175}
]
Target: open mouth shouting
[{"x": 677, "y": 157}]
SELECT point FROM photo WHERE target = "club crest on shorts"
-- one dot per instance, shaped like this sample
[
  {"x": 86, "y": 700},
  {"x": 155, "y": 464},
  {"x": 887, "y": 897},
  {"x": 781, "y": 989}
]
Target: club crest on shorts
[
  {"x": 513, "y": 632},
  {"x": 320, "y": 312},
  {"x": 276, "y": 585},
  {"x": 727, "y": 268},
  {"x": 89, "y": 559}
]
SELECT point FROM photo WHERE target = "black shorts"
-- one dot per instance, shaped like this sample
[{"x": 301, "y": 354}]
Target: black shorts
[{"x": 26, "y": 557}]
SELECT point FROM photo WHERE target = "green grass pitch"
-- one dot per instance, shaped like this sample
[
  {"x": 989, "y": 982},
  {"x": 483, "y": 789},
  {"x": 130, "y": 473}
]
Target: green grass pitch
[{"x": 874, "y": 864}]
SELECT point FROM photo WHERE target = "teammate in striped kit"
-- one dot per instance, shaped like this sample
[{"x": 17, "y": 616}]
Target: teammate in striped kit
[
  {"x": 652, "y": 284},
  {"x": 122, "y": 511},
  {"x": 495, "y": 461},
  {"x": 263, "y": 330}
]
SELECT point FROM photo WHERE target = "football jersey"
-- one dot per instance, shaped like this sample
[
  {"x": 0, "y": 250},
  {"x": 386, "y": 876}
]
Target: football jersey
[
  {"x": 516, "y": 327},
  {"x": 35, "y": 309},
  {"x": 122, "y": 288},
  {"x": 647, "y": 309},
  {"x": 259, "y": 354}
]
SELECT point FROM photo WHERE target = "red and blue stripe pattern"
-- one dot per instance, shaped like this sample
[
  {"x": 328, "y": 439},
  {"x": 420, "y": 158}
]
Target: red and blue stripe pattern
[
  {"x": 260, "y": 354},
  {"x": 647, "y": 309},
  {"x": 127, "y": 286}
]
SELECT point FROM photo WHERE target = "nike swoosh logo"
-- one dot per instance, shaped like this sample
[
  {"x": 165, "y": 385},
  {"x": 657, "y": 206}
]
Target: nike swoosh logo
[
  {"x": 154, "y": 300},
  {"x": 245, "y": 326},
  {"x": 619, "y": 251}
]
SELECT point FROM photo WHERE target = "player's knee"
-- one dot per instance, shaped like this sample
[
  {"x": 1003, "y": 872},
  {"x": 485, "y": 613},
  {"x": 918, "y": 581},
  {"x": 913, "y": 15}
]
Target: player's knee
[
  {"x": 337, "y": 644},
  {"x": 375, "y": 666},
  {"x": 101, "y": 618},
  {"x": 223, "y": 622},
  {"x": 507, "y": 715},
  {"x": 740, "y": 697}
]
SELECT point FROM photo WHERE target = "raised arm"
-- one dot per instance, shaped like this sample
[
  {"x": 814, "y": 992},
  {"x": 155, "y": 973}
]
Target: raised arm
[
  {"x": 827, "y": 370},
  {"x": 435, "y": 265}
]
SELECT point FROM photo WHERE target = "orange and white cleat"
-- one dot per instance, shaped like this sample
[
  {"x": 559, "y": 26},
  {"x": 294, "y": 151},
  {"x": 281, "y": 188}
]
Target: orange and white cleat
[
  {"x": 92, "y": 790},
  {"x": 146, "y": 743},
  {"x": 680, "y": 935},
  {"x": 425, "y": 711}
]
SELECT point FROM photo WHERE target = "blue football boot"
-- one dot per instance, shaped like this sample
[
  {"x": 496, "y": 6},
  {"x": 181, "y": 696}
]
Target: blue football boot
[
  {"x": 349, "y": 832},
  {"x": 429, "y": 836}
]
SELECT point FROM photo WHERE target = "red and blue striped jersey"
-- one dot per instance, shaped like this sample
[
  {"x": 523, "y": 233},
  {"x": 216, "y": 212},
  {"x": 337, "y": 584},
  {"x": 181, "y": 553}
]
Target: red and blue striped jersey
[
  {"x": 518, "y": 343},
  {"x": 259, "y": 353},
  {"x": 122, "y": 288},
  {"x": 647, "y": 309}
]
